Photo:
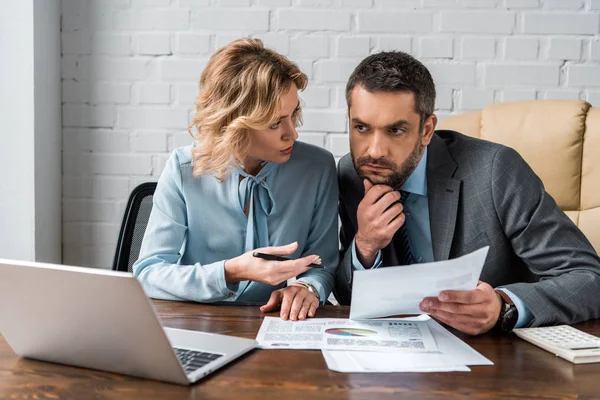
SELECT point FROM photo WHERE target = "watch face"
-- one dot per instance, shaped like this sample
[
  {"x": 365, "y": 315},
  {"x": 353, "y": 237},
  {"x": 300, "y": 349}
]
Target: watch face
[{"x": 510, "y": 318}]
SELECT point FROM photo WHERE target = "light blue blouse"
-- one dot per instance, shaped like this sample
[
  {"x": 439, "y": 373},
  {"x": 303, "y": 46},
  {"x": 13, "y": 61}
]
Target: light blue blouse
[{"x": 197, "y": 224}]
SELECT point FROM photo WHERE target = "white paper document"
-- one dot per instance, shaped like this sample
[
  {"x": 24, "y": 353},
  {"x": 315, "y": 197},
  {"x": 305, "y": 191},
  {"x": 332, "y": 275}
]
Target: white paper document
[
  {"x": 359, "y": 361},
  {"x": 390, "y": 335},
  {"x": 453, "y": 355},
  {"x": 398, "y": 290}
]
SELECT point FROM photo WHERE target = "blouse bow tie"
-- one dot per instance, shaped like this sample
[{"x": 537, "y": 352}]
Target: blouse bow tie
[{"x": 255, "y": 195}]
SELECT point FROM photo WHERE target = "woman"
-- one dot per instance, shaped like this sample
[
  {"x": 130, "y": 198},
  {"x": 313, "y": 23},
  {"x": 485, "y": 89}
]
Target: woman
[{"x": 246, "y": 184}]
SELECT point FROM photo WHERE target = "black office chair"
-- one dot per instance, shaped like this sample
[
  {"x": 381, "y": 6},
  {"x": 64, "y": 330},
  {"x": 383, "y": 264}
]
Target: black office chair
[{"x": 135, "y": 221}]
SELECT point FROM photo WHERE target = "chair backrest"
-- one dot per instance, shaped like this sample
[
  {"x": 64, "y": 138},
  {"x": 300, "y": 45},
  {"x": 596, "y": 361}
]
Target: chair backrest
[
  {"x": 559, "y": 139},
  {"x": 135, "y": 221}
]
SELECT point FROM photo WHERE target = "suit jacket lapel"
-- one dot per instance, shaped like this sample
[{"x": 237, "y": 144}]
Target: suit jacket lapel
[{"x": 443, "y": 192}]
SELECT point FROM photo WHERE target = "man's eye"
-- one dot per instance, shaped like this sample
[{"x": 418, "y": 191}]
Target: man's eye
[
  {"x": 360, "y": 128},
  {"x": 275, "y": 125},
  {"x": 397, "y": 131}
]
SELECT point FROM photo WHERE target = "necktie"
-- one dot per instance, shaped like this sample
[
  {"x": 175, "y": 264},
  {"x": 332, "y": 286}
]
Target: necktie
[{"x": 403, "y": 250}]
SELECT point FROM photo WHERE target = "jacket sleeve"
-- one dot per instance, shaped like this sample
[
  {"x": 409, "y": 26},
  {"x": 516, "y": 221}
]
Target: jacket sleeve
[
  {"x": 343, "y": 282},
  {"x": 548, "y": 242}
]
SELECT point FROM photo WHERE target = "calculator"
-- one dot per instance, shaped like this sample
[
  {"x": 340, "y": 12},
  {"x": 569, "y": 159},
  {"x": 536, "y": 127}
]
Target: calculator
[{"x": 565, "y": 341}]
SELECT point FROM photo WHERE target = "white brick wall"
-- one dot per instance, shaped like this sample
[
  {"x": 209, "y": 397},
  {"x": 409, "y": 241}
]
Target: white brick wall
[
  {"x": 153, "y": 44},
  {"x": 497, "y": 21},
  {"x": 517, "y": 48},
  {"x": 130, "y": 72}
]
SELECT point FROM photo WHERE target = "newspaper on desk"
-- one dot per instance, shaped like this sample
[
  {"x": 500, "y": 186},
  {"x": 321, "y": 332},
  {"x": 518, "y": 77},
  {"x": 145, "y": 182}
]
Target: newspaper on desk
[{"x": 391, "y": 335}]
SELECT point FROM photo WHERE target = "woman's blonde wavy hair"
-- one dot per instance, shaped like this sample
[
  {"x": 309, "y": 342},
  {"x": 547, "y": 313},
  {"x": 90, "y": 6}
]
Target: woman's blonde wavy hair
[{"x": 240, "y": 89}]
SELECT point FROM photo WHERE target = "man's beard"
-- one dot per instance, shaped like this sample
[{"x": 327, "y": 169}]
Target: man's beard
[{"x": 400, "y": 174}]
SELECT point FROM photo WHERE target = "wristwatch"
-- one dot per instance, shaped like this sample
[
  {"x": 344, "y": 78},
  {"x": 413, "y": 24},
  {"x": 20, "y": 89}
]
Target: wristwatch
[
  {"x": 508, "y": 312},
  {"x": 310, "y": 288}
]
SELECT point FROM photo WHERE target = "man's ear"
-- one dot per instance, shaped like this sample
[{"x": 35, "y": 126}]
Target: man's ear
[{"x": 429, "y": 128}]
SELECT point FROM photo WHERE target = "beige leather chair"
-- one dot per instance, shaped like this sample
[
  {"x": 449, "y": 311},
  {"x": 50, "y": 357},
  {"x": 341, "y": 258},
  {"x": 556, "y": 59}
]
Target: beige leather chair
[{"x": 559, "y": 139}]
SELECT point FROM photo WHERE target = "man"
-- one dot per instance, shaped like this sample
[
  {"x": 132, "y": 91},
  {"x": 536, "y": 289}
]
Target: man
[{"x": 411, "y": 195}]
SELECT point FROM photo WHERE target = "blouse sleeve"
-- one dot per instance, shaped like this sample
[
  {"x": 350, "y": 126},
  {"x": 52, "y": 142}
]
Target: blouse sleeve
[{"x": 157, "y": 267}]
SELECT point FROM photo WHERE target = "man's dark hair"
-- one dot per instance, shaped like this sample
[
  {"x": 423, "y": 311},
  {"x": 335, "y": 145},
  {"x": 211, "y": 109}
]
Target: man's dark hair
[{"x": 395, "y": 71}]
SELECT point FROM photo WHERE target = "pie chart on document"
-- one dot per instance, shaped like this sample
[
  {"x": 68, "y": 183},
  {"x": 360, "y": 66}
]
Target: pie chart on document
[{"x": 350, "y": 332}]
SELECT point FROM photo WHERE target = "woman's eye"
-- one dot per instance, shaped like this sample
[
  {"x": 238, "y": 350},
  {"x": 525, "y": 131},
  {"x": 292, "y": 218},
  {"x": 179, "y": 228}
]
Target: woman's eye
[{"x": 275, "y": 125}]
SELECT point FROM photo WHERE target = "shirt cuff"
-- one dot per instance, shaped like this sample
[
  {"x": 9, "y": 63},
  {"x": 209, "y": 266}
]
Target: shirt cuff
[
  {"x": 317, "y": 285},
  {"x": 525, "y": 316},
  {"x": 229, "y": 291},
  {"x": 356, "y": 265}
]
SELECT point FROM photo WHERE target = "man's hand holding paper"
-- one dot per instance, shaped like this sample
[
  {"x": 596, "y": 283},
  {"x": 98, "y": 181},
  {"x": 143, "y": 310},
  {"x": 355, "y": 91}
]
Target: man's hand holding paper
[
  {"x": 400, "y": 290},
  {"x": 470, "y": 311}
]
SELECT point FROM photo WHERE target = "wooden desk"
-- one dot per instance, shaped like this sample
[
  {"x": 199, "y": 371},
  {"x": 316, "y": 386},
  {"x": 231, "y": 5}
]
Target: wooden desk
[{"x": 520, "y": 370}]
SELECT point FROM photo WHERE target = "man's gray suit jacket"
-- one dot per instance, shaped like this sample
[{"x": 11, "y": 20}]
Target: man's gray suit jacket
[{"x": 481, "y": 193}]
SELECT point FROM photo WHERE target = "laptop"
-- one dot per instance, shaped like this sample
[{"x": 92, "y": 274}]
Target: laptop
[{"x": 102, "y": 320}]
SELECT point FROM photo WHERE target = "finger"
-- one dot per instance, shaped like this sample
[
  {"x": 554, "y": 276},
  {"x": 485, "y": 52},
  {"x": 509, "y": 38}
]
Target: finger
[
  {"x": 303, "y": 313},
  {"x": 281, "y": 274},
  {"x": 304, "y": 261},
  {"x": 273, "y": 302},
  {"x": 386, "y": 201},
  {"x": 462, "y": 296},
  {"x": 463, "y": 324},
  {"x": 286, "y": 303},
  {"x": 299, "y": 265},
  {"x": 468, "y": 329},
  {"x": 397, "y": 222},
  {"x": 313, "y": 308},
  {"x": 455, "y": 319},
  {"x": 440, "y": 319},
  {"x": 368, "y": 185},
  {"x": 297, "y": 304},
  {"x": 474, "y": 310},
  {"x": 449, "y": 322},
  {"x": 428, "y": 304},
  {"x": 279, "y": 250},
  {"x": 392, "y": 212},
  {"x": 375, "y": 193}
]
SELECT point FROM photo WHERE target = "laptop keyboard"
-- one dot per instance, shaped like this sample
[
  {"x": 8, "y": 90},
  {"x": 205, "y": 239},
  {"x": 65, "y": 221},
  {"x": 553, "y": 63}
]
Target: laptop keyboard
[{"x": 191, "y": 360}]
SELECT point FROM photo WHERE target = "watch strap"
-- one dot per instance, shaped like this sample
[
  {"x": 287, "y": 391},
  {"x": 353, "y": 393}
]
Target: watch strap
[
  {"x": 310, "y": 288},
  {"x": 505, "y": 297}
]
